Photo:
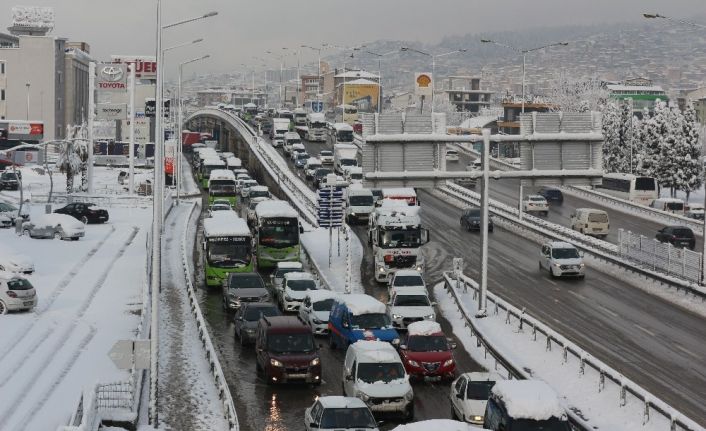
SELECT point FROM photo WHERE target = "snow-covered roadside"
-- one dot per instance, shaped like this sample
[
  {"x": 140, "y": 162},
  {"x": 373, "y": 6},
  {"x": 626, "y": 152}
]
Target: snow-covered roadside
[
  {"x": 519, "y": 347},
  {"x": 316, "y": 243},
  {"x": 89, "y": 297},
  {"x": 187, "y": 395}
]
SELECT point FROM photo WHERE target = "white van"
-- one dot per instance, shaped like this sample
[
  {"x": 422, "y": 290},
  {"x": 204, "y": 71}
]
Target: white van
[
  {"x": 672, "y": 205},
  {"x": 373, "y": 372},
  {"x": 590, "y": 221},
  {"x": 359, "y": 204},
  {"x": 353, "y": 174},
  {"x": 290, "y": 138}
]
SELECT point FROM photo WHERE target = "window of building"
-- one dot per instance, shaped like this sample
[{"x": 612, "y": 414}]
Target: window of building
[
  {"x": 2, "y": 68},
  {"x": 2, "y": 94}
]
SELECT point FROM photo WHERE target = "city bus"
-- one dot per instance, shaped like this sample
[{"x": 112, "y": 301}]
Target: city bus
[
  {"x": 277, "y": 230},
  {"x": 208, "y": 165},
  {"x": 641, "y": 190},
  {"x": 227, "y": 247},
  {"x": 221, "y": 185}
]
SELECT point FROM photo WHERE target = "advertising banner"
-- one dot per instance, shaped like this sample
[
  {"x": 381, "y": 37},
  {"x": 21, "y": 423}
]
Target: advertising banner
[
  {"x": 423, "y": 83},
  {"x": 104, "y": 129},
  {"x": 22, "y": 130},
  {"x": 364, "y": 96},
  {"x": 111, "y": 77},
  {"x": 145, "y": 67},
  {"x": 111, "y": 111}
]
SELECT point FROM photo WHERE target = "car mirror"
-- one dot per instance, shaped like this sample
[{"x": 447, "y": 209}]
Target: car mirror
[
  {"x": 380, "y": 423},
  {"x": 349, "y": 377},
  {"x": 433, "y": 303},
  {"x": 403, "y": 347},
  {"x": 344, "y": 324},
  {"x": 581, "y": 254},
  {"x": 459, "y": 395},
  {"x": 313, "y": 424},
  {"x": 260, "y": 350},
  {"x": 301, "y": 229}
]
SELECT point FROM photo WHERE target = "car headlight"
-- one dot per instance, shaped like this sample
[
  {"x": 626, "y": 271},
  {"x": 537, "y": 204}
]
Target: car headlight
[
  {"x": 276, "y": 363},
  {"x": 557, "y": 264},
  {"x": 413, "y": 362},
  {"x": 381, "y": 269},
  {"x": 430, "y": 317},
  {"x": 250, "y": 330},
  {"x": 353, "y": 214},
  {"x": 448, "y": 362},
  {"x": 314, "y": 362},
  {"x": 477, "y": 418},
  {"x": 409, "y": 395},
  {"x": 583, "y": 265},
  {"x": 317, "y": 321},
  {"x": 362, "y": 395},
  {"x": 396, "y": 342},
  {"x": 287, "y": 298},
  {"x": 419, "y": 268},
  {"x": 396, "y": 316},
  {"x": 265, "y": 297}
]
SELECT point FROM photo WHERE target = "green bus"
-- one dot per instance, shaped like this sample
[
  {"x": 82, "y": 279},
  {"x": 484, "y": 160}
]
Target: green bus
[
  {"x": 205, "y": 170},
  {"x": 221, "y": 185},
  {"x": 277, "y": 231},
  {"x": 227, "y": 247}
]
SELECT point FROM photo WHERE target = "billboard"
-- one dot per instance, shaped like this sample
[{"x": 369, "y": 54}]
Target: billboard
[
  {"x": 22, "y": 130},
  {"x": 363, "y": 96},
  {"x": 145, "y": 66},
  {"x": 423, "y": 83},
  {"x": 111, "y": 77},
  {"x": 111, "y": 111}
]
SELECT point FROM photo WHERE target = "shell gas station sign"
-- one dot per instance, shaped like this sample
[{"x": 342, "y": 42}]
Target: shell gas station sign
[{"x": 423, "y": 83}]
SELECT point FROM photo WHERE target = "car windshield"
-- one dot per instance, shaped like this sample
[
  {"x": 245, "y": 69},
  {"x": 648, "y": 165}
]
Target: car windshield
[
  {"x": 427, "y": 343},
  {"x": 683, "y": 233},
  {"x": 302, "y": 156},
  {"x": 408, "y": 280},
  {"x": 370, "y": 321},
  {"x": 598, "y": 218},
  {"x": 411, "y": 301},
  {"x": 253, "y": 314},
  {"x": 347, "y": 418},
  {"x": 537, "y": 199},
  {"x": 552, "y": 193},
  {"x": 259, "y": 194},
  {"x": 552, "y": 424},
  {"x": 228, "y": 251},
  {"x": 320, "y": 173},
  {"x": 325, "y": 153},
  {"x": 19, "y": 284},
  {"x": 361, "y": 201},
  {"x": 474, "y": 213},
  {"x": 301, "y": 285},
  {"x": 479, "y": 390},
  {"x": 280, "y": 272},
  {"x": 565, "y": 253},
  {"x": 9, "y": 176},
  {"x": 357, "y": 176},
  {"x": 400, "y": 238},
  {"x": 6, "y": 207},
  {"x": 290, "y": 343},
  {"x": 246, "y": 282},
  {"x": 380, "y": 372},
  {"x": 323, "y": 305},
  {"x": 675, "y": 206}
]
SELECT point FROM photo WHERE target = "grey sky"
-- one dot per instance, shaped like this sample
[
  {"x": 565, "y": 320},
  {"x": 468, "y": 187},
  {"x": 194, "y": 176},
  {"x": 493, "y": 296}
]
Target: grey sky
[{"x": 244, "y": 29}]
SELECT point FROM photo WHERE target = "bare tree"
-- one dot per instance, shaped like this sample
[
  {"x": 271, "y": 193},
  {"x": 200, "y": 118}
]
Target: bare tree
[{"x": 577, "y": 95}]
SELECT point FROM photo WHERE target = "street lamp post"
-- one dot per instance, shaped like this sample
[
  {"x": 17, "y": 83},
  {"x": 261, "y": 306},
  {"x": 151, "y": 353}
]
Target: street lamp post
[
  {"x": 318, "y": 76},
  {"x": 524, "y": 53},
  {"x": 433, "y": 66},
  {"x": 380, "y": 56},
  {"x": 27, "y": 85}
]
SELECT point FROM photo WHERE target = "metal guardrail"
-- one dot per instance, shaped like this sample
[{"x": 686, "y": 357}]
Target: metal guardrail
[
  {"x": 662, "y": 256},
  {"x": 627, "y": 388},
  {"x": 211, "y": 355},
  {"x": 597, "y": 248}
]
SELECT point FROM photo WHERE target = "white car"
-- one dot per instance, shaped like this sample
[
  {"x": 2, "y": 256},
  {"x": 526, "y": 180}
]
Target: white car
[
  {"x": 219, "y": 205},
  {"x": 406, "y": 278},
  {"x": 296, "y": 149},
  {"x": 245, "y": 188},
  {"x": 312, "y": 164},
  {"x": 469, "y": 395},
  {"x": 16, "y": 263},
  {"x": 58, "y": 226},
  {"x": 277, "y": 276},
  {"x": 561, "y": 259},
  {"x": 315, "y": 309},
  {"x": 451, "y": 155},
  {"x": 295, "y": 287},
  {"x": 535, "y": 203},
  {"x": 16, "y": 293},
  {"x": 336, "y": 413},
  {"x": 5, "y": 221},
  {"x": 409, "y": 305},
  {"x": 326, "y": 157},
  {"x": 250, "y": 215},
  {"x": 11, "y": 211}
]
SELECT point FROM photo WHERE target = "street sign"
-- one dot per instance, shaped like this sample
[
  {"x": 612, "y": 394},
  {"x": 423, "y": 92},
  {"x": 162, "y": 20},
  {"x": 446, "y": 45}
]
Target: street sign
[{"x": 128, "y": 353}]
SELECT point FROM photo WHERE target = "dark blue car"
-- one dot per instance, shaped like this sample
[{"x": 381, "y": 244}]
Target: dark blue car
[{"x": 359, "y": 317}]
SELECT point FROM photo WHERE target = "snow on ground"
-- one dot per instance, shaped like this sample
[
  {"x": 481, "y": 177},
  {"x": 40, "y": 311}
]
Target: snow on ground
[
  {"x": 188, "y": 398},
  {"x": 517, "y": 345},
  {"x": 316, "y": 242},
  {"x": 89, "y": 297}
]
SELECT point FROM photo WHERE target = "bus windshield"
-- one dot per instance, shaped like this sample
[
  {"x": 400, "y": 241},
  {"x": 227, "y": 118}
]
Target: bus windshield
[
  {"x": 400, "y": 238},
  {"x": 344, "y": 136},
  {"x": 279, "y": 232},
  {"x": 221, "y": 188},
  {"x": 228, "y": 251}
]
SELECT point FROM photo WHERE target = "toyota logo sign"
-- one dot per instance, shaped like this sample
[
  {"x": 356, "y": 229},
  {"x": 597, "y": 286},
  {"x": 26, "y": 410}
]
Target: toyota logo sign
[{"x": 112, "y": 73}]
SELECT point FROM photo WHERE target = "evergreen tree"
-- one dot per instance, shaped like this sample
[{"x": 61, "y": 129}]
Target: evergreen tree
[
  {"x": 627, "y": 144},
  {"x": 691, "y": 165},
  {"x": 612, "y": 151}
]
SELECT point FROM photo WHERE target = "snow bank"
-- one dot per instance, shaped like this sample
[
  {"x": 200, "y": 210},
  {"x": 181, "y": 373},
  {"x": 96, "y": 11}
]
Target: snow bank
[
  {"x": 360, "y": 303},
  {"x": 436, "y": 424},
  {"x": 424, "y": 327},
  {"x": 321, "y": 295},
  {"x": 529, "y": 399}
]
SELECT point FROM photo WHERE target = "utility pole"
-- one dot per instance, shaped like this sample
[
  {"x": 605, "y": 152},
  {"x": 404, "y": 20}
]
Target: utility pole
[
  {"x": 91, "y": 116},
  {"x": 131, "y": 180}
]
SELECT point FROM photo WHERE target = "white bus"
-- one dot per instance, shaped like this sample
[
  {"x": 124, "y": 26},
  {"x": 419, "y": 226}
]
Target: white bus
[{"x": 641, "y": 190}]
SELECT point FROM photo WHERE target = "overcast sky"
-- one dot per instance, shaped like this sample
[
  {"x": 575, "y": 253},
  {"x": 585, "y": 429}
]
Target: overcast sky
[{"x": 244, "y": 29}]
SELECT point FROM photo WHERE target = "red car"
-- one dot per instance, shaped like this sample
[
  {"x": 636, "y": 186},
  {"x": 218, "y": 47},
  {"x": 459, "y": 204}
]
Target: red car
[{"x": 426, "y": 353}]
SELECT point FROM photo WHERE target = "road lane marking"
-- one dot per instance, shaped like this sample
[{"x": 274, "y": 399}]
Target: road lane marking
[
  {"x": 549, "y": 281},
  {"x": 577, "y": 294},
  {"x": 611, "y": 312},
  {"x": 687, "y": 351},
  {"x": 645, "y": 330}
]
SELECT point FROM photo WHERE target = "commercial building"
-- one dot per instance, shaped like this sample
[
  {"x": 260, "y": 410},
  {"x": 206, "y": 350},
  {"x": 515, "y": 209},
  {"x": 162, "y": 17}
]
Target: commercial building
[
  {"x": 509, "y": 124},
  {"x": 466, "y": 94},
  {"x": 309, "y": 87},
  {"x": 359, "y": 88},
  {"x": 640, "y": 91}
]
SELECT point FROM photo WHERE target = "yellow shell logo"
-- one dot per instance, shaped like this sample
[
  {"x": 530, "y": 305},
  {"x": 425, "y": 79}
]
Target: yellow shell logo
[{"x": 423, "y": 81}]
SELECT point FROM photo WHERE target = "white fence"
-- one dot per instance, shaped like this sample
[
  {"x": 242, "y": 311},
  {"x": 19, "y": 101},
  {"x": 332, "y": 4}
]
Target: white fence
[
  {"x": 608, "y": 380},
  {"x": 660, "y": 256}
]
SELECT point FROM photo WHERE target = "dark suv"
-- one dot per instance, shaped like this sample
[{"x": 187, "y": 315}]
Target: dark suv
[
  {"x": 678, "y": 236},
  {"x": 470, "y": 220},
  {"x": 286, "y": 351},
  {"x": 9, "y": 181},
  {"x": 551, "y": 194}
]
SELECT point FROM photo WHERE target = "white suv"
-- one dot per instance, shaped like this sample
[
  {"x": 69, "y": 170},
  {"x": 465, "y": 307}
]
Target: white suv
[
  {"x": 561, "y": 259},
  {"x": 409, "y": 305},
  {"x": 373, "y": 372},
  {"x": 16, "y": 293},
  {"x": 294, "y": 288},
  {"x": 535, "y": 203}
]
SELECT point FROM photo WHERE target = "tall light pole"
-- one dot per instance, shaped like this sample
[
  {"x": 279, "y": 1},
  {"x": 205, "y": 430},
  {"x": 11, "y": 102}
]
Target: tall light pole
[
  {"x": 380, "y": 56},
  {"x": 27, "y": 85},
  {"x": 343, "y": 95},
  {"x": 157, "y": 201},
  {"x": 699, "y": 26},
  {"x": 524, "y": 53},
  {"x": 433, "y": 67},
  {"x": 318, "y": 76},
  {"x": 281, "y": 67}
]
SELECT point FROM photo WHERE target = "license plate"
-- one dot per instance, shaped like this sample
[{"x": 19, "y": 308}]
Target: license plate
[
  {"x": 432, "y": 378},
  {"x": 28, "y": 303}
]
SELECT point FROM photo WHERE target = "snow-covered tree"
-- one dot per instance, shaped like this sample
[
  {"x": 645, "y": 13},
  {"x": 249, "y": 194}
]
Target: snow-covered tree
[
  {"x": 69, "y": 164},
  {"x": 612, "y": 150},
  {"x": 577, "y": 95},
  {"x": 689, "y": 153}
]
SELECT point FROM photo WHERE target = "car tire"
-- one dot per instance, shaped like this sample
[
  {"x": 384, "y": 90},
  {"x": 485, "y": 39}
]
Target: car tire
[
  {"x": 3, "y": 308},
  {"x": 409, "y": 414},
  {"x": 331, "y": 341},
  {"x": 551, "y": 272},
  {"x": 26, "y": 232},
  {"x": 57, "y": 235},
  {"x": 84, "y": 220}
]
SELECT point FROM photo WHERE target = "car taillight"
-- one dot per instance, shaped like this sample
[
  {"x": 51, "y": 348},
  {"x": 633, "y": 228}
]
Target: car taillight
[
  {"x": 389, "y": 258},
  {"x": 674, "y": 237},
  {"x": 11, "y": 294}
]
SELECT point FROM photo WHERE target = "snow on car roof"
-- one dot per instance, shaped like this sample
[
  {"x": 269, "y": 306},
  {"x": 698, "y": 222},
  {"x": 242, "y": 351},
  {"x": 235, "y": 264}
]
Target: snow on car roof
[
  {"x": 224, "y": 224},
  {"x": 259, "y": 189},
  {"x": 360, "y": 303},
  {"x": 529, "y": 399},
  {"x": 321, "y": 295},
  {"x": 437, "y": 424},
  {"x": 342, "y": 127},
  {"x": 424, "y": 327},
  {"x": 234, "y": 161},
  {"x": 275, "y": 209},
  {"x": 222, "y": 174},
  {"x": 313, "y": 161},
  {"x": 291, "y": 135},
  {"x": 289, "y": 265},
  {"x": 399, "y": 191},
  {"x": 561, "y": 244},
  {"x": 7, "y": 275},
  {"x": 299, "y": 276},
  {"x": 55, "y": 219},
  {"x": 481, "y": 376},
  {"x": 409, "y": 290},
  {"x": 339, "y": 402},
  {"x": 214, "y": 162},
  {"x": 374, "y": 351},
  {"x": 407, "y": 272}
]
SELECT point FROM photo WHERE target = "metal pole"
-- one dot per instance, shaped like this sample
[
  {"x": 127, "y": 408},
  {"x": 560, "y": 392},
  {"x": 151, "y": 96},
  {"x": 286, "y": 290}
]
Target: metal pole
[
  {"x": 179, "y": 138},
  {"x": 131, "y": 178},
  {"x": 318, "y": 80},
  {"x": 281, "y": 66},
  {"x": 379, "y": 86},
  {"x": 156, "y": 278},
  {"x": 519, "y": 207},
  {"x": 51, "y": 179},
  {"x": 91, "y": 116},
  {"x": 485, "y": 165},
  {"x": 27, "y": 85},
  {"x": 433, "y": 81},
  {"x": 524, "y": 57},
  {"x": 703, "y": 252}
]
